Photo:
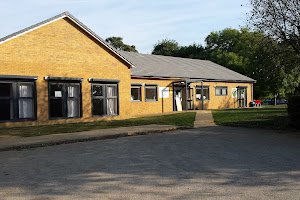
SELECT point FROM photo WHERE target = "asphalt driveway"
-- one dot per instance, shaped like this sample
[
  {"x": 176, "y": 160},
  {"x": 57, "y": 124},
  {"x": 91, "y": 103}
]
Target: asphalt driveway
[{"x": 204, "y": 163}]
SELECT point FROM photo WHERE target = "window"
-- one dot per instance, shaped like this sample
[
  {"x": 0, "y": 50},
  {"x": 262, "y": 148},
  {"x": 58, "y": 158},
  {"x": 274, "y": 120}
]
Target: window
[
  {"x": 25, "y": 100},
  {"x": 205, "y": 93},
  {"x": 104, "y": 99},
  {"x": 112, "y": 99},
  {"x": 136, "y": 93},
  {"x": 151, "y": 92},
  {"x": 17, "y": 101},
  {"x": 221, "y": 91},
  {"x": 64, "y": 100}
]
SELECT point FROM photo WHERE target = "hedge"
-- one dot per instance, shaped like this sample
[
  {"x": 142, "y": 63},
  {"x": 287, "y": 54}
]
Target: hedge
[{"x": 294, "y": 110}]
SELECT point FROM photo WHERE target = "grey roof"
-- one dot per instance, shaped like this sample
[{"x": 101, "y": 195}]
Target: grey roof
[
  {"x": 62, "y": 15},
  {"x": 148, "y": 65}
]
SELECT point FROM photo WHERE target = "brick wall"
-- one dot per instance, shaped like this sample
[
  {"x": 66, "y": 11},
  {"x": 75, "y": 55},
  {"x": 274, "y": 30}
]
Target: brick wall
[
  {"x": 221, "y": 102},
  {"x": 162, "y": 105},
  {"x": 62, "y": 49}
]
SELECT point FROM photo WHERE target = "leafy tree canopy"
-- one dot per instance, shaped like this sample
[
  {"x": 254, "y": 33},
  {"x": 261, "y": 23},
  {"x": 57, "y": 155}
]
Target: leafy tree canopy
[
  {"x": 194, "y": 51},
  {"x": 262, "y": 58},
  {"x": 280, "y": 19},
  {"x": 166, "y": 47},
  {"x": 117, "y": 42}
]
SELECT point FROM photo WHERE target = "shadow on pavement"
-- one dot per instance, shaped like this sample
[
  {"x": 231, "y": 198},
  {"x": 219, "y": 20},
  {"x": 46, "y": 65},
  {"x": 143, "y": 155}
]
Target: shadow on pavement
[{"x": 210, "y": 162}]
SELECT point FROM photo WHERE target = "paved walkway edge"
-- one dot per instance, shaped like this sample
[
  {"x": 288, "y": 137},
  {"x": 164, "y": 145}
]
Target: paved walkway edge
[
  {"x": 83, "y": 139},
  {"x": 204, "y": 118}
]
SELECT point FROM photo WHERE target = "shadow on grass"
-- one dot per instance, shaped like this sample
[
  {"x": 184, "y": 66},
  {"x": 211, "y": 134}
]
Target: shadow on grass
[
  {"x": 279, "y": 123},
  {"x": 270, "y": 118},
  {"x": 179, "y": 119}
]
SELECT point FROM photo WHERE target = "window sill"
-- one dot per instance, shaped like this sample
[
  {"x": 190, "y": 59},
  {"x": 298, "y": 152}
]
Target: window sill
[
  {"x": 52, "y": 118},
  {"x": 151, "y": 100},
  {"x": 136, "y": 100},
  {"x": 105, "y": 115}
]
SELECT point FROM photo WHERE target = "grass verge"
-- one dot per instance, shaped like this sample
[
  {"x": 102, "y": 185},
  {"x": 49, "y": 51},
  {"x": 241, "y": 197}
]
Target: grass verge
[
  {"x": 179, "y": 119},
  {"x": 266, "y": 117}
]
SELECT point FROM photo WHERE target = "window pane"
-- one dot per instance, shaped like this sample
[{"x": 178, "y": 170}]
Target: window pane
[
  {"x": 111, "y": 91},
  {"x": 150, "y": 93},
  {"x": 25, "y": 108},
  {"x": 97, "y": 90},
  {"x": 198, "y": 94},
  {"x": 242, "y": 92},
  {"x": 73, "y": 91},
  {"x": 135, "y": 93},
  {"x": 56, "y": 108},
  {"x": 73, "y": 108},
  {"x": 25, "y": 90},
  {"x": 5, "y": 89},
  {"x": 205, "y": 94},
  {"x": 6, "y": 109},
  {"x": 56, "y": 90},
  {"x": 224, "y": 91},
  {"x": 218, "y": 91},
  {"x": 112, "y": 106},
  {"x": 98, "y": 107}
]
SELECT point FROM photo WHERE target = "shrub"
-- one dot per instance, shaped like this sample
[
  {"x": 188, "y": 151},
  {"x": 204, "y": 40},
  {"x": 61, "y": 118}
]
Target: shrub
[{"x": 294, "y": 110}]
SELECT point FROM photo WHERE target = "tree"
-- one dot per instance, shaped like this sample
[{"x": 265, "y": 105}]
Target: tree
[
  {"x": 169, "y": 47},
  {"x": 280, "y": 19},
  {"x": 166, "y": 47},
  {"x": 277, "y": 73},
  {"x": 117, "y": 42},
  {"x": 232, "y": 48},
  {"x": 272, "y": 64},
  {"x": 224, "y": 40},
  {"x": 194, "y": 51}
]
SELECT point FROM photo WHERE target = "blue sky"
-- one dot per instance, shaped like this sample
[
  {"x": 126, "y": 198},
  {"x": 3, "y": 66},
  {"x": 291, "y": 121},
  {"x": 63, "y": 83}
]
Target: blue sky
[{"x": 141, "y": 23}]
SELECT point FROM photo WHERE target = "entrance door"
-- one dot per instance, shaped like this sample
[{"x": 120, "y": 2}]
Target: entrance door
[
  {"x": 242, "y": 97},
  {"x": 177, "y": 99}
]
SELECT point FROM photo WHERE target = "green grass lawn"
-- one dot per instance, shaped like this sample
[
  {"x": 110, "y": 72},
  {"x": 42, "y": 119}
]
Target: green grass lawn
[
  {"x": 266, "y": 117},
  {"x": 179, "y": 119}
]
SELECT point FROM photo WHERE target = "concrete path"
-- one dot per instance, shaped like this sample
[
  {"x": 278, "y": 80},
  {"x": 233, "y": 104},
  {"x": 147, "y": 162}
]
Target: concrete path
[
  {"x": 54, "y": 139},
  {"x": 204, "y": 118}
]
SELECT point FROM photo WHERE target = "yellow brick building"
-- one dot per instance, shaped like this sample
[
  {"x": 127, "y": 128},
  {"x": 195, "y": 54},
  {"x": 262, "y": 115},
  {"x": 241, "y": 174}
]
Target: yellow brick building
[{"x": 59, "y": 71}]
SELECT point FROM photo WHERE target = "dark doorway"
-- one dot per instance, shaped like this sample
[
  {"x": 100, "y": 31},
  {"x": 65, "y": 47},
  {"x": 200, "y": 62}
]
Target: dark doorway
[{"x": 242, "y": 97}]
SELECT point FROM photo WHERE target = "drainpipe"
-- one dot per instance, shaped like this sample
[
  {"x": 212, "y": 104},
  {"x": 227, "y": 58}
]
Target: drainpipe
[
  {"x": 202, "y": 94},
  {"x": 186, "y": 96}
]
